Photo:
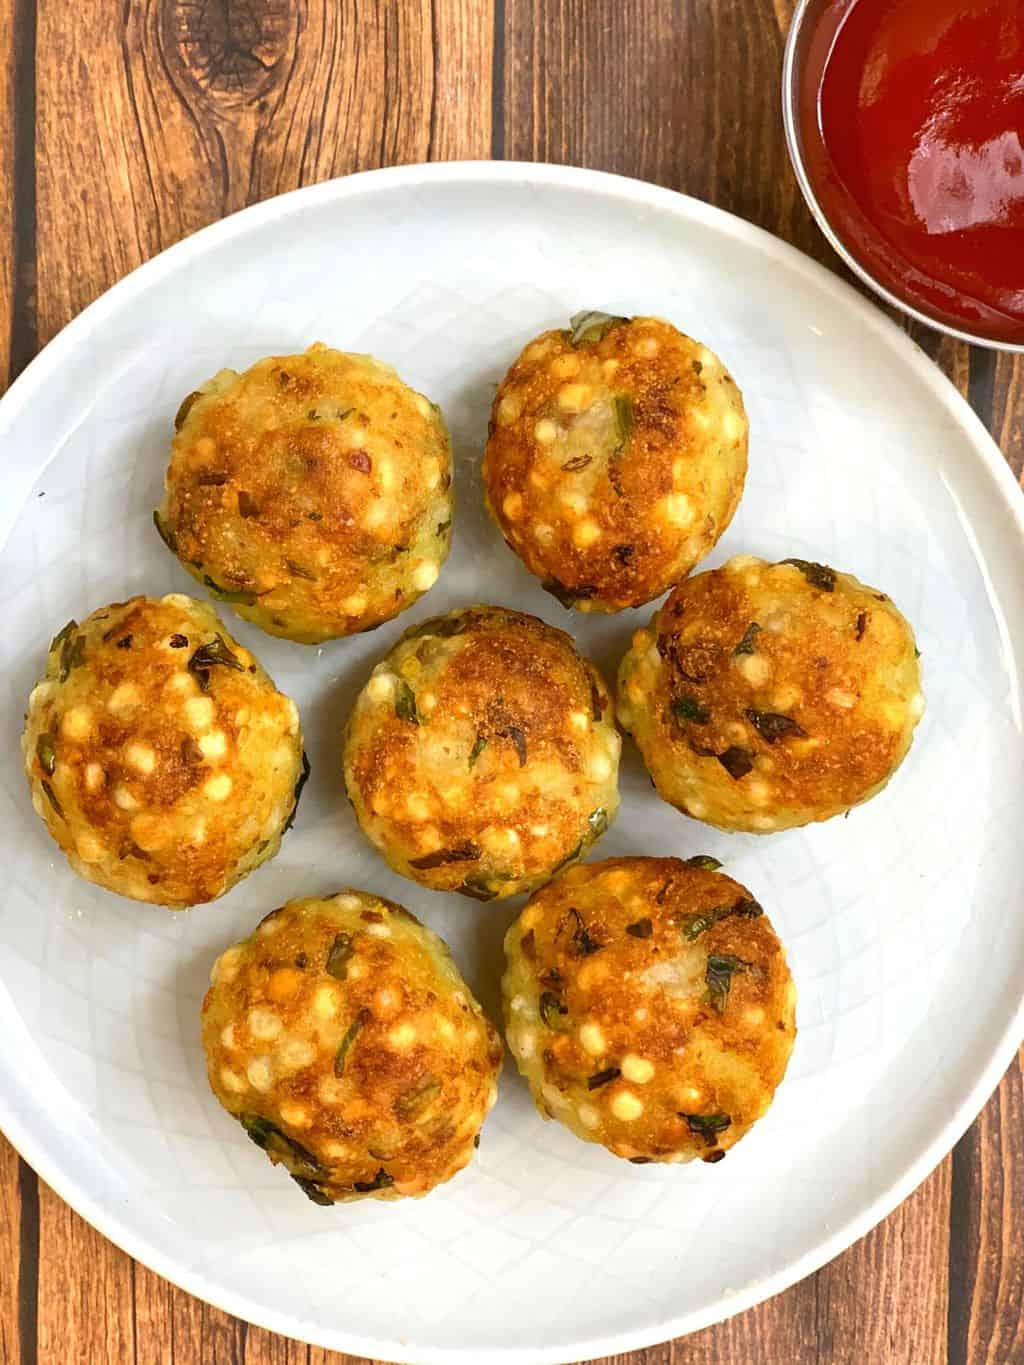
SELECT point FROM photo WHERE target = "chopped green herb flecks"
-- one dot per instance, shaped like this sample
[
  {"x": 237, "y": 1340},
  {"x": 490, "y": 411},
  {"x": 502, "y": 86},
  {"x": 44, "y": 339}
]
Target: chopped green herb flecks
[
  {"x": 381, "y": 1181},
  {"x": 215, "y": 653},
  {"x": 818, "y": 575},
  {"x": 566, "y": 595},
  {"x": 861, "y": 626},
  {"x": 719, "y": 974},
  {"x": 461, "y": 853},
  {"x": 70, "y": 649},
  {"x": 279, "y": 1147},
  {"x": 351, "y": 1034},
  {"x": 577, "y": 463},
  {"x": 623, "y": 406},
  {"x": 737, "y": 762},
  {"x": 694, "y": 925},
  {"x": 303, "y": 779},
  {"x": 703, "y": 862},
  {"x": 51, "y": 796},
  {"x": 414, "y": 1102},
  {"x": 611, "y": 1073},
  {"x": 299, "y": 571},
  {"x": 479, "y": 745},
  {"x": 747, "y": 645},
  {"x": 688, "y": 710},
  {"x": 405, "y": 702},
  {"x": 240, "y": 596},
  {"x": 338, "y": 958},
  {"x": 588, "y": 328},
  {"x": 582, "y": 941},
  {"x": 166, "y": 534},
  {"x": 185, "y": 408},
  {"x": 313, "y": 1191},
  {"x": 479, "y": 888},
  {"x": 642, "y": 928},
  {"x": 707, "y": 1126},
  {"x": 46, "y": 754},
  {"x": 773, "y": 727},
  {"x": 553, "y": 1012}
]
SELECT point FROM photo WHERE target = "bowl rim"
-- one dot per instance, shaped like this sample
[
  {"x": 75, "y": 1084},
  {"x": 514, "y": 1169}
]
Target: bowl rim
[
  {"x": 791, "y": 71},
  {"x": 18, "y": 1123}
]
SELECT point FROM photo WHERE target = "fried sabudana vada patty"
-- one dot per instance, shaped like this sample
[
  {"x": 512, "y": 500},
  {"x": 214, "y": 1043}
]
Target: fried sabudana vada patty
[
  {"x": 312, "y": 492},
  {"x": 482, "y": 754},
  {"x": 764, "y": 696},
  {"x": 343, "y": 1039},
  {"x": 616, "y": 458},
  {"x": 649, "y": 1006},
  {"x": 161, "y": 757}
]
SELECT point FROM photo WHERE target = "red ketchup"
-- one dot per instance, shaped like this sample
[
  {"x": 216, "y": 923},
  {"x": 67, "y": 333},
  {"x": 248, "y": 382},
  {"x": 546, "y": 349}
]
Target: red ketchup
[{"x": 912, "y": 119}]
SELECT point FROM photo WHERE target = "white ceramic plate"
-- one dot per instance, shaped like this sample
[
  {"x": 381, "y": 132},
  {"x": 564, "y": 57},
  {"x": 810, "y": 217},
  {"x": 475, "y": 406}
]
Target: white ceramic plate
[{"x": 901, "y": 922}]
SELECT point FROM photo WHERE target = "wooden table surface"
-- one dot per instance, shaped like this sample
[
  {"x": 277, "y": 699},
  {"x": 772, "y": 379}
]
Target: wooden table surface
[{"x": 127, "y": 124}]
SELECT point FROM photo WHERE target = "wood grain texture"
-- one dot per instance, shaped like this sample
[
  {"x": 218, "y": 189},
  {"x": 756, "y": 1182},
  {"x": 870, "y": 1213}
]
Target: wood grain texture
[{"x": 128, "y": 124}]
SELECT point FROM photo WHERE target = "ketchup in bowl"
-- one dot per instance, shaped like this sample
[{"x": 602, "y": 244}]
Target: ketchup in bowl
[{"x": 912, "y": 120}]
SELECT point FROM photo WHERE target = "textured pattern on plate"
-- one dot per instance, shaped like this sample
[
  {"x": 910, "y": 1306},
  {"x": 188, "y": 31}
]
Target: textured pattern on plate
[{"x": 899, "y": 922}]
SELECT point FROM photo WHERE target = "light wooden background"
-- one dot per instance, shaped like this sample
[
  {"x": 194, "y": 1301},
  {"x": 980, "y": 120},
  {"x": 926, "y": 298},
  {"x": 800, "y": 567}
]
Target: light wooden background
[{"x": 127, "y": 124}]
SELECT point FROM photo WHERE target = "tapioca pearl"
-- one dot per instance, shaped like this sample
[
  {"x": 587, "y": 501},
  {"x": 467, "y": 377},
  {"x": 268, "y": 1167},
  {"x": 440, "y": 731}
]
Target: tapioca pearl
[
  {"x": 573, "y": 501},
  {"x": 509, "y": 409},
  {"x": 755, "y": 669},
  {"x": 418, "y": 806},
  {"x": 272, "y": 924},
  {"x": 758, "y": 793},
  {"x": 199, "y": 712},
  {"x": 564, "y": 366},
  {"x": 218, "y": 787},
  {"x": 124, "y": 699},
  {"x": 512, "y": 506},
  {"x": 225, "y": 968},
  {"x": 426, "y": 702},
  {"x": 553, "y": 1097},
  {"x": 540, "y": 831},
  {"x": 149, "y": 832},
  {"x": 894, "y": 713},
  {"x": 785, "y": 697},
  {"x": 291, "y": 712},
  {"x": 645, "y": 346},
  {"x": 431, "y": 475},
  {"x": 502, "y": 839},
  {"x": 492, "y": 1098},
  {"x": 231, "y": 1080},
  {"x": 916, "y": 706},
  {"x": 355, "y": 435},
  {"x": 294, "y": 1053},
  {"x": 543, "y": 533},
  {"x": 384, "y": 473},
  {"x": 283, "y": 984},
  {"x": 676, "y": 509},
  {"x": 588, "y": 1116},
  {"x": 381, "y": 687},
  {"x": 178, "y": 599},
  {"x": 626, "y": 1106},
  {"x": 545, "y": 432},
  {"x": 196, "y": 832},
  {"x": 356, "y": 970},
  {"x": 698, "y": 809},
  {"x": 424, "y": 575},
  {"x": 624, "y": 713},
  {"x": 530, "y": 917},
  {"x": 700, "y": 419},
  {"x": 508, "y": 793},
  {"x": 77, "y": 723},
  {"x": 445, "y": 1028},
  {"x": 690, "y": 1096},
  {"x": 764, "y": 823},
  {"x": 600, "y": 767},
  {"x": 353, "y": 606},
  {"x": 347, "y": 902},
  {"x": 539, "y": 479},
  {"x": 637, "y": 1069},
  {"x": 386, "y": 1000},
  {"x": 228, "y": 1038},
  {"x": 296, "y": 1116},
  {"x": 575, "y": 397},
  {"x": 403, "y": 1036},
  {"x": 841, "y": 698},
  {"x": 592, "y": 1039},
  {"x": 733, "y": 426},
  {"x": 378, "y": 930},
  {"x": 579, "y": 721},
  {"x": 586, "y": 533},
  {"x": 91, "y": 849},
  {"x": 591, "y": 974},
  {"x": 423, "y": 405},
  {"x": 213, "y": 745},
  {"x": 375, "y": 514},
  {"x": 264, "y": 1025},
  {"x": 641, "y": 641},
  {"x": 609, "y": 367},
  {"x": 741, "y": 564},
  {"x": 95, "y": 779},
  {"x": 39, "y": 694},
  {"x": 336, "y": 1151},
  {"x": 753, "y": 1017},
  {"x": 260, "y": 1074}
]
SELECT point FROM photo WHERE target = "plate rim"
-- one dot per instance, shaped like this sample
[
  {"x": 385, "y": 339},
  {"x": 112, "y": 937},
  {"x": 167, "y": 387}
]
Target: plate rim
[{"x": 720, "y": 221}]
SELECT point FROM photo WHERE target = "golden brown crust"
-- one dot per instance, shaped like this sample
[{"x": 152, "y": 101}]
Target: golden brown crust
[
  {"x": 313, "y": 492},
  {"x": 160, "y": 755},
  {"x": 649, "y": 1006},
  {"x": 343, "y": 1038},
  {"x": 482, "y": 753},
  {"x": 616, "y": 459},
  {"x": 767, "y": 696}
]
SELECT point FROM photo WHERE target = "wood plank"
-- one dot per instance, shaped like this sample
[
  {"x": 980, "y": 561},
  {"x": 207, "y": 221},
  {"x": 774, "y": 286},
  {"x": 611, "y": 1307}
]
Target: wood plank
[
  {"x": 85, "y": 1290},
  {"x": 18, "y": 1258},
  {"x": 986, "y": 1320}
]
